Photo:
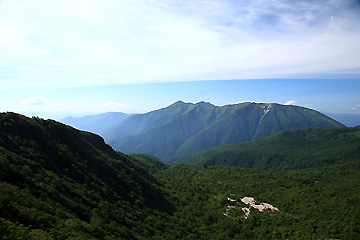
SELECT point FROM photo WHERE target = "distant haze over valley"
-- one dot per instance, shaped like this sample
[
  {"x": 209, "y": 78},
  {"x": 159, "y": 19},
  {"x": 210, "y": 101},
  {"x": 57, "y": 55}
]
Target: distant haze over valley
[
  {"x": 96, "y": 123},
  {"x": 349, "y": 120}
]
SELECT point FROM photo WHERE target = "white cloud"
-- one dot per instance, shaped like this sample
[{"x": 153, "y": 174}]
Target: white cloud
[
  {"x": 64, "y": 43},
  {"x": 291, "y": 102},
  {"x": 356, "y": 107},
  {"x": 35, "y": 101}
]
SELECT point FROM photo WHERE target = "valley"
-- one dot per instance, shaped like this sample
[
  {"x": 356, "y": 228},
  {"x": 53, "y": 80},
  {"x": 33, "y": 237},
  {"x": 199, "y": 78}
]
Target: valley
[
  {"x": 180, "y": 120},
  {"x": 58, "y": 182}
]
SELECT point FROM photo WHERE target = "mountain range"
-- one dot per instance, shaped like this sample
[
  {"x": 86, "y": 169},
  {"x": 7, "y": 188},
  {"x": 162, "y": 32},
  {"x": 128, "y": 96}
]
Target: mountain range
[
  {"x": 57, "y": 182},
  {"x": 100, "y": 123},
  {"x": 182, "y": 128}
]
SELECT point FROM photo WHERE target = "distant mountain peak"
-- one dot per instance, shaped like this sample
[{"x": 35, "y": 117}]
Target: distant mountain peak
[
  {"x": 178, "y": 103},
  {"x": 183, "y": 128},
  {"x": 203, "y": 103}
]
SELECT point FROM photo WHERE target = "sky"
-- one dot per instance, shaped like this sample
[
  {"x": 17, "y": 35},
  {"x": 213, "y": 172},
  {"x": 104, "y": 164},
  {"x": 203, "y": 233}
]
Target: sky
[{"x": 62, "y": 57}]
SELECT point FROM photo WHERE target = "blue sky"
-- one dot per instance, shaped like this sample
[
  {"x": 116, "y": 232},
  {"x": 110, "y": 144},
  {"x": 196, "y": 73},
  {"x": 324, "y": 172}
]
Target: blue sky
[{"x": 61, "y": 58}]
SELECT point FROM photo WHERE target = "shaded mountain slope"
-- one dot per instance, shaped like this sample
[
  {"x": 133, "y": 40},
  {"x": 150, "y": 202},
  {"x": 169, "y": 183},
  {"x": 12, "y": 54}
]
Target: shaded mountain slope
[
  {"x": 62, "y": 183},
  {"x": 183, "y": 128},
  {"x": 314, "y": 147},
  {"x": 141, "y": 123},
  {"x": 98, "y": 123}
]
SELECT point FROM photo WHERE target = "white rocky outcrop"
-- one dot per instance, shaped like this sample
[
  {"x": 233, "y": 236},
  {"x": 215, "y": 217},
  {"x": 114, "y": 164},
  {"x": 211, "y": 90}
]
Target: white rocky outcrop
[
  {"x": 261, "y": 206},
  {"x": 252, "y": 204}
]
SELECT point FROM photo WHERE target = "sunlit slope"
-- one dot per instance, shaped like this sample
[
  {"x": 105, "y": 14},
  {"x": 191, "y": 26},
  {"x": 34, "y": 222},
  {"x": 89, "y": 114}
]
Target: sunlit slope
[
  {"x": 183, "y": 128},
  {"x": 313, "y": 203},
  {"x": 293, "y": 149}
]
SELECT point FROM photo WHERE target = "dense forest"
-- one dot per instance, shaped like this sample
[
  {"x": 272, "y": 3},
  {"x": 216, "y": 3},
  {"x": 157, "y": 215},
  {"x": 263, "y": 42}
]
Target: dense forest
[
  {"x": 313, "y": 204},
  {"x": 295, "y": 149},
  {"x": 61, "y": 183}
]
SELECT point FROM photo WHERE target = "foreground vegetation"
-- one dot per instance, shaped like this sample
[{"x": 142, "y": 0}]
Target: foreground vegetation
[
  {"x": 60, "y": 183},
  {"x": 314, "y": 204}
]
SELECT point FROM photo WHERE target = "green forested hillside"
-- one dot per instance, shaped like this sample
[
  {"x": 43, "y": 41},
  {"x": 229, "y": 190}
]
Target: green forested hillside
[
  {"x": 60, "y": 183},
  {"x": 150, "y": 163},
  {"x": 313, "y": 204},
  {"x": 183, "y": 128},
  {"x": 293, "y": 149}
]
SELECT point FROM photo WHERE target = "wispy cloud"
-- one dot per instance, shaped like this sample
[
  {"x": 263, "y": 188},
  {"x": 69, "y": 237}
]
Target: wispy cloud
[
  {"x": 291, "y": 102},
  {"x": 356, "y": 107},
  {"x": 35, "y": 101},
  {"x": 75, "y": 43}
]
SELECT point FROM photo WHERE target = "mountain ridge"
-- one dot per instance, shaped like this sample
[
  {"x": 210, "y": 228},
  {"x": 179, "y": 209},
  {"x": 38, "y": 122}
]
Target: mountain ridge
[
  {"x": 64, "y": 183},
  {"x": 182, "y": 128}
]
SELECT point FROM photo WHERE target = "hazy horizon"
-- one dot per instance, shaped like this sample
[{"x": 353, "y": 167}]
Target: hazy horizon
[
  {"x": 323, "y": 95},
  {"x": 66, "y": 58}
]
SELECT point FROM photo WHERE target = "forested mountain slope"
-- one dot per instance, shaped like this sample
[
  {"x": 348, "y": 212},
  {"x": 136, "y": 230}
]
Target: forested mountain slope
[
  {"x": 183, "y": 128},
  {"x": 313, "y": 204},
  {"x": 58, "y": 182},
  {"x": 295, "y": 149},
  {"x": 150, "y": 163}
]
